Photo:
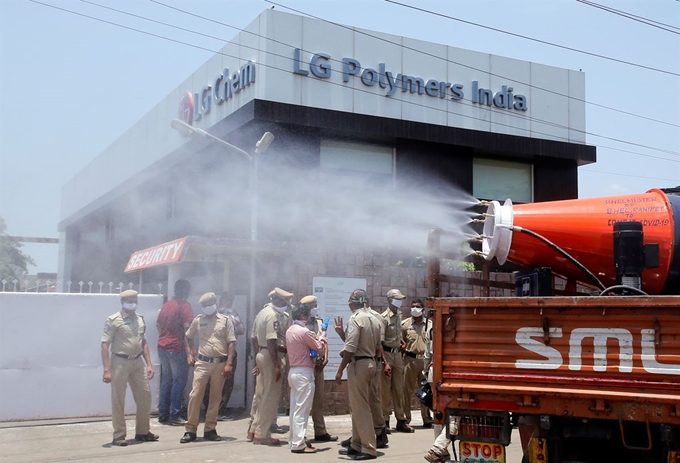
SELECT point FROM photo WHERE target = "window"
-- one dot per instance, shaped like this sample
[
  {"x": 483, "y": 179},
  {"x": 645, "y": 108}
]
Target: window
[
  {"x": 493, "y": 179},
  {"x": 343, "y": 160}
]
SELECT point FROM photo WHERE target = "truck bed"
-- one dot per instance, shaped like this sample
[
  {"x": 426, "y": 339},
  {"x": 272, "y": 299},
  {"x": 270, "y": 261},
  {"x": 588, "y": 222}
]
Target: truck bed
[{"x": 582, "y": 357}]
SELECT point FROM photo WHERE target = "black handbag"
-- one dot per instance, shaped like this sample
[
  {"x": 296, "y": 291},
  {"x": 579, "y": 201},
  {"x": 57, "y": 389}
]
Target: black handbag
[{"x": 424, "y": 394}]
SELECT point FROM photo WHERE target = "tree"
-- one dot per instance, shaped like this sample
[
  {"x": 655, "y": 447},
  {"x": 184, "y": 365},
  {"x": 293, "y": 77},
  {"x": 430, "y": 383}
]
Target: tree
[{"x": 13, "y": 262}]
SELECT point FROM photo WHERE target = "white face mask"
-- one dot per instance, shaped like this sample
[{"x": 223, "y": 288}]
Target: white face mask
[
  {"x": 130, "y": 305},
  {"x": 397, "y": 302},
  {"x": 210, "y": 309},
  {"x": 416, "y": 312},
  {"x": 314, "y": 312},
  {"x": 281, "y": 309}
]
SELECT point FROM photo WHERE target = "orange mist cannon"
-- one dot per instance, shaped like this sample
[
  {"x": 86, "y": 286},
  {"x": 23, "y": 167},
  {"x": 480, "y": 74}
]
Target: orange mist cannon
[{"x": 584, "y": 230}]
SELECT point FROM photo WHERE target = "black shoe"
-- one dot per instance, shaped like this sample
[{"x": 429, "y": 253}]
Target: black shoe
[
  {"x": 387, "y": 427},
  {"x": 428, "y": 425},
  {"x": 403, "y": 427},
  {"x": 211, "y": 435},
  {"x": 225, "y": 418},
  {"x": 148, "y": 437},
  {"x": 188, "y": 437},
  {"x": 326, "y": 438},
  {"x": 381, "y": 441},
  {"x": 179, "y": 421},
  {"x": 163, "y": 419},
  {"x": 276, "y": 429},
  {"x": 346, "y": 442},
  {"x": 364, "y": 456},
  {"x": 349, "y": 451}
]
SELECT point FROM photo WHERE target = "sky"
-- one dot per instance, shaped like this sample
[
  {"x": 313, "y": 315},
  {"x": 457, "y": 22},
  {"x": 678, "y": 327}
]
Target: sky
[{"x": 71, "y": 85}]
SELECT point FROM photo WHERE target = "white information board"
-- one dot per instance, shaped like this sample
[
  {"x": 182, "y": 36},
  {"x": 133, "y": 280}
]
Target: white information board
[{"x": 332, "y": 295}]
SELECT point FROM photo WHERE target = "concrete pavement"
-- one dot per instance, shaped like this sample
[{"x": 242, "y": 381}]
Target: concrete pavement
[{"x": 89, "y": 441}]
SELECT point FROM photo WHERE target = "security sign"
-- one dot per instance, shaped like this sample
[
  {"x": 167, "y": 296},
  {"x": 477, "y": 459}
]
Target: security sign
[{"x": 163, "y": 254}]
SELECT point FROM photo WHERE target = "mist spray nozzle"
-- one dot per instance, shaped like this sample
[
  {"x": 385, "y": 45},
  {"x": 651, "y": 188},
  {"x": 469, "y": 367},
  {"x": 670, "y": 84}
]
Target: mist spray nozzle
[{"x": 484, "y": 203}]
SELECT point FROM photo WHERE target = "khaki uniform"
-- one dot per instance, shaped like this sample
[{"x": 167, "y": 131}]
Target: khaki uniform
[
  {"x": 215, "y": 333},
  {"x": 267, "y": 392},
  {"x": 285, "y": 320},
  {"x": 392, "y": 387},
  {"x": 415, "y": 335},
  {"x": 314, "y": 325},
  {"x": 376, "y": 399},
  {"x": 363, "y": 339},
  {"x": 124, "y": 333}
]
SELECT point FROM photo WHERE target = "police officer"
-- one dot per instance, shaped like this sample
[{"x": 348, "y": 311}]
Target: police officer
[
  {"x": 264, "y": 338},
  {"x": 362, "y": 345},
  {"x": 414, "y": 332},
  {"x": 212, "y": 364},
  {"x": 124, "y": 332},
  {"x": 392, "y": 386},
  {"x": 314, "y": 325}
]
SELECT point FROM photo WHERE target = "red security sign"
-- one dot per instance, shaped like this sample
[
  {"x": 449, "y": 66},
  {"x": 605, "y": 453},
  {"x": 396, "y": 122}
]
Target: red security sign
[
  {"x": 166, "y": 253},
  {"x": 478, "y": 452}
]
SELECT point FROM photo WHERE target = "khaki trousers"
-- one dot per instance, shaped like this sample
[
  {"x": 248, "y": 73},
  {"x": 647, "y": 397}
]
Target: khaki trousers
[
  {"x": 269, "y": 392},
  {"x": 392, "y": 387},
  {"x": 359, "y": 376},
  {"x": 125, "y": 371},
  {"x": 375, "y": 400},
  {"x": 205, "y": 373},
  {"x": 413, "y": 375},
  {"x": 317, "y": 405}
]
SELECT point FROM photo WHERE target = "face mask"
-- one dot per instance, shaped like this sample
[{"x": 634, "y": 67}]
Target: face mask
[
  {"x": 416, "y": 312},
  {"x": 397, "y": 302},
  {"x": 281, "y": 309},
  {"x": 314, "y": 312},
  {"x": 210, "y": 309},
  {"x": 130, "y": 305}
]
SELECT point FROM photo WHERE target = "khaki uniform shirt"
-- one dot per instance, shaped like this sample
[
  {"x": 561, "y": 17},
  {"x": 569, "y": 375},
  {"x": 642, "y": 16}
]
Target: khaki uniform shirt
[
  {"x": 214, "y": 334},
  {"x": 314, "y": 325},
  {"x": 392, "y": 328},
  {"x": 125, "y": 333},
  {"x": 415, "y": 335},
  {"x": 381, "y": 321},
  {"x": 363, "y": 334},
  {"x": 285, "y": 320},
  {"x": 266, "y": 325}
]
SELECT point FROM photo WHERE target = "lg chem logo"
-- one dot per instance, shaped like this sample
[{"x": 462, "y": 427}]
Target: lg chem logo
[{"x": 186, "y": 108}]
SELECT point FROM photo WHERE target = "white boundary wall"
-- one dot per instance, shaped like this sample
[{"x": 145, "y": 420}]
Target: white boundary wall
[{"x": 50, "y": 355}]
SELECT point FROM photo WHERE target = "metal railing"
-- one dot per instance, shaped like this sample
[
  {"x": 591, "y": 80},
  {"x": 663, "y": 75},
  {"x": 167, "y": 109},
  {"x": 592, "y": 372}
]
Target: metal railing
[{"x": 49, "y": 286}]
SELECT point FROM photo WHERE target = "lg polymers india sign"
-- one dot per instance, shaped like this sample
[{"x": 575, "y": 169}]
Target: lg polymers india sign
[{"x": 320, "y": 66}]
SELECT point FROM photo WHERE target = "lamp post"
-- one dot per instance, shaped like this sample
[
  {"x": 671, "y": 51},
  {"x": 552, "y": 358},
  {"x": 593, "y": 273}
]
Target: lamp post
[{"x": 260, "y": 147}]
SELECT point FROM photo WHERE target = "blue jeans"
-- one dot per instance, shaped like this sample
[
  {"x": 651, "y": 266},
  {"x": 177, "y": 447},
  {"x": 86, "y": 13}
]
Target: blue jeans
[{"x": 174, "y": 372}]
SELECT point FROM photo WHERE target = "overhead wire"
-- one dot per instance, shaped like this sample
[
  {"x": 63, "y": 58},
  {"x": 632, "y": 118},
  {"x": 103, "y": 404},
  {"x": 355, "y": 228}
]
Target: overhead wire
[
  {"x": 545, "y": 42},
  {"x": 649, "y": 22},
  {"x": 328, "y": 82}
]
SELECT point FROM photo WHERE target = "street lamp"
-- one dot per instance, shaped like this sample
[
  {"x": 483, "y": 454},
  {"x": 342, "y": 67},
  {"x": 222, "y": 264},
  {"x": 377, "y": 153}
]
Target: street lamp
[{"x": 260, "y": 147}]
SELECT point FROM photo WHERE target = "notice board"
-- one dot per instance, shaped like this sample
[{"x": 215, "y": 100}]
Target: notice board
[{"x": 332, "y": 295}]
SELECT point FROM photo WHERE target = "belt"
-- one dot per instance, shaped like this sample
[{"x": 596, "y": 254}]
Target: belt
[
  {"x": 411, "y": 354},
  {"x": 128, "y": 357},
  {"x": 363, "y": 357},
  {"x": 203, "y": 358},
  {"x": 390, "y": 349},
  {"x": 281, "y": 349}
]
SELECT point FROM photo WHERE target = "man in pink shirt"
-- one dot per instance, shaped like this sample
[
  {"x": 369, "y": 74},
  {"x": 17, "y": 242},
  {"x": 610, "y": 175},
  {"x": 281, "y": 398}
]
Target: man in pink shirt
[{"x": 301, "y": 343}]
